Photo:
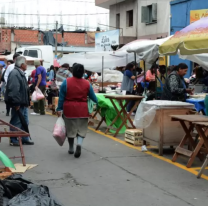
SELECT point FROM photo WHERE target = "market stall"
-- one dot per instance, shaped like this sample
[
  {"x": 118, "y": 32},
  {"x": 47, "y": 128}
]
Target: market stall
[
  {"x": 191, "y": 40},
  {"x": 154, "y": 118}
]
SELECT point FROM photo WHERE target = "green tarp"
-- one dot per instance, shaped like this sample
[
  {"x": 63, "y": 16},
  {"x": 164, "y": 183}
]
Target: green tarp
[{"x": 109, "y": 112}]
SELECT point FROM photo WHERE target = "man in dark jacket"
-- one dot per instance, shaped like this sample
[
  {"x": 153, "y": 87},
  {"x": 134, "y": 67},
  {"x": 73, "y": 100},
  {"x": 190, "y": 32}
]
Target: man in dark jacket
[{"x": 17, "y": 96}]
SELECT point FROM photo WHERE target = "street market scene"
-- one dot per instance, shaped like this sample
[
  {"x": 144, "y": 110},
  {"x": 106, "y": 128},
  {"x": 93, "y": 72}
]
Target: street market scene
[{"x": 103, "y": 102}]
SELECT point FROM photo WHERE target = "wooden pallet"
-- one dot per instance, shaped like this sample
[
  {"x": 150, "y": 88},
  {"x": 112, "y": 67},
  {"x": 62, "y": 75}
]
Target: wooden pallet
[{"x": 134, "y": 132}]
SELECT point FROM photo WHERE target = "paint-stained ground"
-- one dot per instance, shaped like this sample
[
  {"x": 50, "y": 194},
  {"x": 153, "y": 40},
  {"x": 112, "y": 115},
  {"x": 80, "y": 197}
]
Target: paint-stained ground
[{"x": 109, "y": 172}]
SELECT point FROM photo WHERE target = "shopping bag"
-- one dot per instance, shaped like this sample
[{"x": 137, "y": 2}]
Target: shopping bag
[
  {"x": 59, "y": 131},
  {"x": 37, "y": 95},
  {"x": 34, "y": 97}
]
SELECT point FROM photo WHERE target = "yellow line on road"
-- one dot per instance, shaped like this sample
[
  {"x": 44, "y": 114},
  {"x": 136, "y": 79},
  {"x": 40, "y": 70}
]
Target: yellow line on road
[{"x": 191, "y": 170}]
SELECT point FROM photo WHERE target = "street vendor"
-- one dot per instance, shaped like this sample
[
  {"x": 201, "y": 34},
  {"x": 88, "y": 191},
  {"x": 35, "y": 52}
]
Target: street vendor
[
  {"x": 128, "y": 82},
  {"x": 175, "y": 86}
]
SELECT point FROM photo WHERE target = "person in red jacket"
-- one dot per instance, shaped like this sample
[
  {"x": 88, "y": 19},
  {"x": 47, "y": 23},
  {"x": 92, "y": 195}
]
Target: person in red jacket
[{"x": 73, "y": 102}]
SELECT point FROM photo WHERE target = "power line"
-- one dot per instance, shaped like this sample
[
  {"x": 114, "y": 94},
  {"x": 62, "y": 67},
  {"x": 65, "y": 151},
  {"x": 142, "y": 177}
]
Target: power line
[
  {"x": 53, "y": 14},
  {"x": 48, "y": 24},
  {"x": 51, "y": 0}
]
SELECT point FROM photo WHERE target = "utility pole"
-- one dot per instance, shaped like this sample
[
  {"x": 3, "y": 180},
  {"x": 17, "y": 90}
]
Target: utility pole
[{"x": 56, "y": 38}]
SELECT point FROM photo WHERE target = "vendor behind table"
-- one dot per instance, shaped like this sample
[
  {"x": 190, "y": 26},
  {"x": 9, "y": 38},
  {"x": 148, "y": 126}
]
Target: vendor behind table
[{"x": 175, "y": 88}]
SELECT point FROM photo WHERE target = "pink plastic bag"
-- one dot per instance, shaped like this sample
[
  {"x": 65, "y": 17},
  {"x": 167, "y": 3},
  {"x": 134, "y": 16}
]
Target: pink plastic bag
[
  {"x": 59, "y": 131},
  {"x": 37, "y": 95}
]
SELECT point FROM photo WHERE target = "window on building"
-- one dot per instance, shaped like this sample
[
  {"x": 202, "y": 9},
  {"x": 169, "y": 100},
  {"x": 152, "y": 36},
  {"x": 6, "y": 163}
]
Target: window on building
[
  {"x": 33, "y": 53},
  {"x": 117, "y": 21},
  {"x": 149, "y": 14},
  {"x": 129, "y": 18}
]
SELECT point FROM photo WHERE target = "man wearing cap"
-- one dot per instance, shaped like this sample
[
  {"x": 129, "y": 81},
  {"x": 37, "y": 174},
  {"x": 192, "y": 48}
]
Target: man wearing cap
[{"x": 40, "y": 82}]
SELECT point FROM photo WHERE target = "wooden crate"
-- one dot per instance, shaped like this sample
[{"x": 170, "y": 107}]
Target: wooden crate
[
  {"x": 134, "y": 136},
  {"x": 136, "y": 141},
  {"x": 134, "y": 132}
]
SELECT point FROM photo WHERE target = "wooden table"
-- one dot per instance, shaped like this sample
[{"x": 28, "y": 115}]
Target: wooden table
[
  {"x": 196, "y": 148},
  {"x": 15, "y": 133},
  {"x": 123, "y": 101},
  {"x": 202, "y": 128}
]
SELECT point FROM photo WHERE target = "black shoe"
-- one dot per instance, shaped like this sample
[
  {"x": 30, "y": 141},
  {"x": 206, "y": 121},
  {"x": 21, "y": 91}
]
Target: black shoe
[
  {"x": 7, "y": 114},
  {"x": 71, "y": 152},
  {"x": 29, "y": 142},
  {"x": 14, "y": 144},
  {"x": 78, "y": 152}
]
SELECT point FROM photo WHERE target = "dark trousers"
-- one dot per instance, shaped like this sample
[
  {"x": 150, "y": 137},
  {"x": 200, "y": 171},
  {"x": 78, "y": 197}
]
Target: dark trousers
[
  {"x": 130, "y": 104},
  {"x": 7, "y": 108},
  {"x": 39, "y": 107}
]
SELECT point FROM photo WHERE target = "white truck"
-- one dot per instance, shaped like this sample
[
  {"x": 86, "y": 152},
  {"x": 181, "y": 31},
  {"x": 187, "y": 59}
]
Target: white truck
[{"x": 44, "y": 52}]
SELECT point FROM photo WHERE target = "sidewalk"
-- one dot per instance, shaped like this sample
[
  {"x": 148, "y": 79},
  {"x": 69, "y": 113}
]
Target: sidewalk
[{"x": 108, "y": 172}]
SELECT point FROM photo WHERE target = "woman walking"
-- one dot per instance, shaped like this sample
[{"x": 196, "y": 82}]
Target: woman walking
[{"x": 73, "y": 102}]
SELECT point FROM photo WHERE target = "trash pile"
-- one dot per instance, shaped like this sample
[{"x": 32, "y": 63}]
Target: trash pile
[{"x": 16, "y": 190}]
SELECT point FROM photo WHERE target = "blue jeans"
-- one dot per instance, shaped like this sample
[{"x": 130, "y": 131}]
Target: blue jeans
[{"x": 15, "y": 121}]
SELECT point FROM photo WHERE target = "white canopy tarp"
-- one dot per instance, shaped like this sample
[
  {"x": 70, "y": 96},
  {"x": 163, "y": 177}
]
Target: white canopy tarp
[
  {"x": 147, "y": 50},
  {"x": 92, "y": 61},
  {"x": 201, "y": 59}
]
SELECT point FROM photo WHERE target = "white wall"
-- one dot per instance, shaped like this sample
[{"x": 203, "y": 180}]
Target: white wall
[
  {"x": 141, "y": 30},
  {"x": 162, "y": 27},
  {"x": 122, "y": 8}
]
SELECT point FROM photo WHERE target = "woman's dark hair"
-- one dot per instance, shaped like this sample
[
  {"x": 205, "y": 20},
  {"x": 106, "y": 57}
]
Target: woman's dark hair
[
  {"x": 10, "y": 61},
  {"x": 51, "y": 67},
  {"x": 154, "y": 66},
  {"x": 78, "y": 71},
  {"x": 180, "y": 66},
  {"x": 129, "y": 66},
  {"x": 65, "y": 65}
]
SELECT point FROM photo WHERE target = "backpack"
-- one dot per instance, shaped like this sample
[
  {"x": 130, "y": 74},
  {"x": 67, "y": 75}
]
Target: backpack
[{"x": 2, "y": 77}]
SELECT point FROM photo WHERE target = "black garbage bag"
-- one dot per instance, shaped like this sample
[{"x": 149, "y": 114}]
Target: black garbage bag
[
  {"x": 35, "y": 195},
  {"x": 21, "y": 192}
]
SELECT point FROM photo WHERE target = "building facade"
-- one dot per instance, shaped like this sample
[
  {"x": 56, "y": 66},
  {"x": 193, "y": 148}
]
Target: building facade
[
  {"x": 138, "y": 19},
  {"x": 10, "y": 39},
  {"x": 183, "y": 12}
]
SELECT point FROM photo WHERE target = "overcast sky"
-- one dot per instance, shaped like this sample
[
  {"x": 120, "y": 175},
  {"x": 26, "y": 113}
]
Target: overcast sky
[{"x": 59, "y": 9}]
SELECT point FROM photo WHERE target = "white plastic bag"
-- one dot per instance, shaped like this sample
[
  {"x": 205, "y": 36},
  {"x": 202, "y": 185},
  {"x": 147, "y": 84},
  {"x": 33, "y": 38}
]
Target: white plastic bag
[
  {"x": 37, "y": 95},
  {"x": 34, "y": 97},
  {"x": 59, "y": 131},
  {"x": 144, "y": 116}
]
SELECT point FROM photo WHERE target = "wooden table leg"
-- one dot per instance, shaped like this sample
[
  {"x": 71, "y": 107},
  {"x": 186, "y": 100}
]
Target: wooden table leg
[
  {"x": 127, "y": 117},
  {"x": 133, "y": 108},
  {"x": 197, "y": 149},
  {"x": 203, "y": 167},
  {"x": 22, "y": 151},
  {"x": 118, "y": 115},
  {"x": 183, "y": 141},
  {"x": 203, "y": 135}
]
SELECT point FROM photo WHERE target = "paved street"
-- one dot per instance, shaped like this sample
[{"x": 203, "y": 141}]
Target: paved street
[{"x": 108, "y": 173}]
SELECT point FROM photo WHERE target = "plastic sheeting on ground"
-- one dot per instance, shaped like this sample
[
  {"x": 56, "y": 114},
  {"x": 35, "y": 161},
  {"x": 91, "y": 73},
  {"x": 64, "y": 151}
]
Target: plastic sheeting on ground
[
  {"x": 109, "y": 112},
  {"x": 111, "y": 76},
  {"x": 21, "y": 192},
  {"x": 146, "y": 111}
]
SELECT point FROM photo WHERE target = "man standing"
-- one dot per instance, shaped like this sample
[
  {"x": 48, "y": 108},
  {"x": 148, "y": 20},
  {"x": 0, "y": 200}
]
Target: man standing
[
  {"x": 17, "y": 96},
  {"x": 40, "y": 81},
  {"x": 10, "y": 67}
]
